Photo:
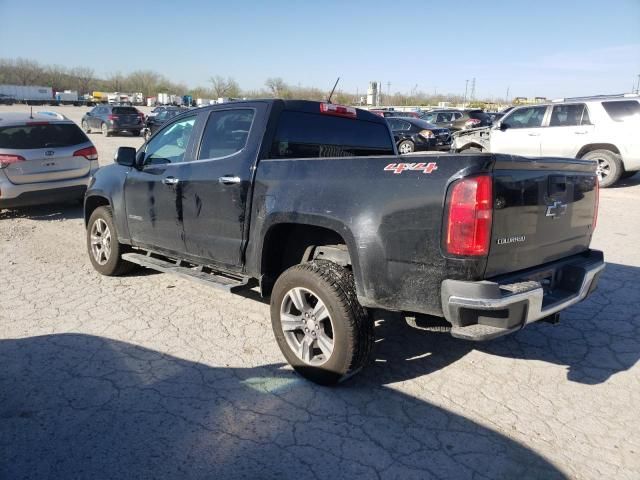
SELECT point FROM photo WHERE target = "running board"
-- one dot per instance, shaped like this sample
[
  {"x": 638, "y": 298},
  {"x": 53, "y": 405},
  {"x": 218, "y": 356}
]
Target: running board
[{"x": 197, "y": 273}]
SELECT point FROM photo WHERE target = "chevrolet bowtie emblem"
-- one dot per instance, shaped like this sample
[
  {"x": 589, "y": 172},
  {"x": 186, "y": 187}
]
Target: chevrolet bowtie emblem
[{"x": 556, "y": 210}]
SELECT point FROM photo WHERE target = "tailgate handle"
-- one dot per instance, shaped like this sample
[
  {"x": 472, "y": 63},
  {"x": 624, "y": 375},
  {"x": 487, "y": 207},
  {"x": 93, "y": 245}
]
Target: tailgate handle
[
  {"x": 557, "y": 184},
  {"x": 171, "y": 181}
]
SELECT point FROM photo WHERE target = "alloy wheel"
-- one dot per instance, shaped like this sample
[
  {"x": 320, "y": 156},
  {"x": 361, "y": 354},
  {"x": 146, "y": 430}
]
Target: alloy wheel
[{"x": 100, "y": 241}]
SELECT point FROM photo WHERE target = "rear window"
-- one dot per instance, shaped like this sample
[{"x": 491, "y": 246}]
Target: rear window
[
  {"x": 41, "y": 136},
  {"x": 479, "y": 115},
  {"x": 125, "y": 111},
  {"x": 309, "y": 135},
  {"x": 621, "y": 111}
]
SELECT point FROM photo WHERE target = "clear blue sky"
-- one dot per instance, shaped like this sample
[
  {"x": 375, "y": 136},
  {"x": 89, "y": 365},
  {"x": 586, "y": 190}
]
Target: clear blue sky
[{"x": 550, "y": 48}]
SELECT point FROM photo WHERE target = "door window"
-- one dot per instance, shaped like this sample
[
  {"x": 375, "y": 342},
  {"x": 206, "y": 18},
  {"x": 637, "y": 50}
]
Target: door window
[
  {"x": 170, "y": 145},
  {"x": 226, "y": 133},
  {"x": 528, "y": 117},
  {"x": 444, "y": 117},
  {"x": 569, "y": 116}
]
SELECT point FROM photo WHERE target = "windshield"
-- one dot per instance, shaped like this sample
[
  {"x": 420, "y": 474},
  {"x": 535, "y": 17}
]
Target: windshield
[{"x": 41, "y": 136}]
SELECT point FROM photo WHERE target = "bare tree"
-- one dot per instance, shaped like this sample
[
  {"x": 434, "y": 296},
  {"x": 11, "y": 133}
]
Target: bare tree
[
  {"x": 224, "y": 87},
  {"x": 84, "y": 76},
  {"x": 277, "y": 87},
  {"x": 27, "y": 72}
]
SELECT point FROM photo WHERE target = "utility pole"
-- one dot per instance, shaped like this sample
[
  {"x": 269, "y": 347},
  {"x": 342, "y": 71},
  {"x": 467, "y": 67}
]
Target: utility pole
[
  {"x": 638, "y": 87},
  {"x": 464, "y": 99},
  {"x": 473, "y": 89},
  {"x": 388, "y": 92},
  {"x": 507, "y": 94}
]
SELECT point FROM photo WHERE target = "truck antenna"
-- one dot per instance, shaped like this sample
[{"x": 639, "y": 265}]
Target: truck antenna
[{"x": 333, "y": 90}]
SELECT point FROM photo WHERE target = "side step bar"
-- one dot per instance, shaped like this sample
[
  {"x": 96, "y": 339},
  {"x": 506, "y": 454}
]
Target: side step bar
[{"x": 217, "y": 280}]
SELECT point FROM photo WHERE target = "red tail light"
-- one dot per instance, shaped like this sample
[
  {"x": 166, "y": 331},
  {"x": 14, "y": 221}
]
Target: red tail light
[
  {"x": 113, "y": 117},
  {"x": 472, "y": 122},
  {"x": 595, "y": 211},
  {"x": 6, "y": 160},
  {"x": 90, "y": 153},
  {"x": 470, "y": 211},
  {"x": 338, "y": 110}
]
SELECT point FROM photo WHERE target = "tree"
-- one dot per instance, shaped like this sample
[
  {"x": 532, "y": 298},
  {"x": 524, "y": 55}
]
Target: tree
[
  {"x": 83, "y": 76},
  {"x": 224, "y": 87},
  {"x": 27, "y": 72},
  {"x": 277, "y": 87}
]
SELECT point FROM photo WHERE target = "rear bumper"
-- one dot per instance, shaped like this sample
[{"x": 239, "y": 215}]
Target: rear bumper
[
  {"x": 489, "y": 309},
  {"x": 27, "y": 194}
]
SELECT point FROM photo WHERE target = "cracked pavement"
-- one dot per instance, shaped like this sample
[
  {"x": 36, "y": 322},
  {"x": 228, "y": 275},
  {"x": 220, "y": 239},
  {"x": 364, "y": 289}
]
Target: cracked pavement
[{"x": 152, "y": 376}]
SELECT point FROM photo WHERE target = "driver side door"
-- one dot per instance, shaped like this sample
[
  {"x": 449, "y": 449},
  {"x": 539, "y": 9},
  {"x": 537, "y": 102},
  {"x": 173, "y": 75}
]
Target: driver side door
[{"x": 153, "y": 192}]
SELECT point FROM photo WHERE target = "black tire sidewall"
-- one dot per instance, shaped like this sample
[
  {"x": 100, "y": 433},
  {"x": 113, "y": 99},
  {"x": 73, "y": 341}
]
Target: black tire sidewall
[
  {"x": 614, "y": 162},
  {"x": 114, "y": 264},
  {"x": 343, "y": 350}
]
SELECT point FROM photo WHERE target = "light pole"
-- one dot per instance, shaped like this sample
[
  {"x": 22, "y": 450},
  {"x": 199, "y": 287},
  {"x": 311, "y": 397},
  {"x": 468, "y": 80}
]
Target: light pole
[{"x": 464, "y": 100}]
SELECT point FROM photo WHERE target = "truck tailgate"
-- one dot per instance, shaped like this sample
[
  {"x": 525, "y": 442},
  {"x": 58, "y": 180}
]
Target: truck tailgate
[{"x": 543, "y": 211}]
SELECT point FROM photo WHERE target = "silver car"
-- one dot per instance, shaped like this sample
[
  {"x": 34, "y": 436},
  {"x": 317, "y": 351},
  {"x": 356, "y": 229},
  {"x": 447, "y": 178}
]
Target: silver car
[{"x": 44, "y": 158}]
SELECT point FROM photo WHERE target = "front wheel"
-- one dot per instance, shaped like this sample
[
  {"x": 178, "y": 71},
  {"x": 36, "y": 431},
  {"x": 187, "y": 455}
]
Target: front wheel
[
  {"x": 321, "y": 329},
  {"x": 105, "y": 130},
  {"x": 85, "y": 127},
  {"x": 105, "y": 252},
  {"x": 406, "y": 146}
]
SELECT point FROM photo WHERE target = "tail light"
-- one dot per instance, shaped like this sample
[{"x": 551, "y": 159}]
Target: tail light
[
  {"x": 90, "y": 153},
  {"x": 338, "y": 110},
  {"x": 113, "y": 117},
  {"x": 472, "y": 122},
  {"x": 6, "y": 159},
  {"x": 426, "y": 133},
  {"x": 470, "y": 212},
  {"x": 595, "y": 211}
]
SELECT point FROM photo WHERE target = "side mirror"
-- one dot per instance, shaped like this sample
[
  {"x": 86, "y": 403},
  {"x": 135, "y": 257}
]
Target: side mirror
[
  {"x": 126, "y": 156},
  {"x": 502, "y": 126}
]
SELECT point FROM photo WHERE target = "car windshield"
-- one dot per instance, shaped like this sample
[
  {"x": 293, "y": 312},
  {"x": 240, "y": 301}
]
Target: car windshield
[{"x": 42, "y": 135}]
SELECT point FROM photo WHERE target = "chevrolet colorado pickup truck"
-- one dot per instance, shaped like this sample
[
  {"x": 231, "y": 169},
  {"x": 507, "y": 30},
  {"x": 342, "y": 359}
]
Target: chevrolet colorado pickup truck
[{"x": 311, "y": 203}]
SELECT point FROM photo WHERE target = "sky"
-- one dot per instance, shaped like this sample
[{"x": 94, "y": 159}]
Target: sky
[{"x": 533, "y": 48}]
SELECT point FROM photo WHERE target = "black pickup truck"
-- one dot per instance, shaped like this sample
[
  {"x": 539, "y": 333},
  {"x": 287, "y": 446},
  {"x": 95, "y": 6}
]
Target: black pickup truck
[{"x": 311, "y": 203}]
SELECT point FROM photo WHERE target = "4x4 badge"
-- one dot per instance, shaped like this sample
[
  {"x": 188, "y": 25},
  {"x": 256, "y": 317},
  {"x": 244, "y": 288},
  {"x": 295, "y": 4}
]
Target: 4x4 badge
[{"x": 556, "y": 210}]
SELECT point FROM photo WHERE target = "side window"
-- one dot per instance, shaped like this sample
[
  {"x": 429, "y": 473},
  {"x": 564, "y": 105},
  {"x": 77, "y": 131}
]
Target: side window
[
  {"x": 528, "y": 117},
  {"x": 226, "y": 133},
  {"x": 393, "y": 124},
  {"x": 443, "y": 117},
  {"x": 621, "y": 111},
  {"x": 456, "y": 116},
  {"x": 171, "y": 144},
  {"x": 404, "y": 125},
  {"x": 566, "y": 115}
]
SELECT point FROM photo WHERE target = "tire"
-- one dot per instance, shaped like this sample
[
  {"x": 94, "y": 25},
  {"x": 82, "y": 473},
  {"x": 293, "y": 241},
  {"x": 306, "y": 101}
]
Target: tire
[
  {"x": 105, "y": 130},
  {"x": 610, "y": 167},
  {"x": 628, "y": 174},
  {"x": 351, "y": 328},
  {"x": 85, "y": 127},
  {"x": 111, "y": 263},
  {"x": 147, "y": 136},
  {"x": 406, "y": 146}
]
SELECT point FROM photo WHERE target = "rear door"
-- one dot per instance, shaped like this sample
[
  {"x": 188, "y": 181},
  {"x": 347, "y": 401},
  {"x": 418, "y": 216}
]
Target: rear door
[
  {"x": 153, "y": 192},
  {"x": 51, "y": 152},
  {"x": 543, "y": 211},
  {"x": 216, "y": 185},
  {"x": 520, "y": 132},
  {"x": 568, "y": 130}
]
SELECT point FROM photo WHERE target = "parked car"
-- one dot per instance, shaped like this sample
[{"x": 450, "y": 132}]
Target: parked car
[
  {"x": 44, "y": 158},
  {"x": 456, "y": 120},
  {"x": 495, "y": 116},
  {"x": 602, "y": 128},
  {"x": 154, "y": 122},
  {"x": 310, "y": 202},
  {"x": 6, "y": 99},
  {"x": 395, "y": 113},
  {"x": 415, "y": 134},
  {"x": 110, "y": 119}
]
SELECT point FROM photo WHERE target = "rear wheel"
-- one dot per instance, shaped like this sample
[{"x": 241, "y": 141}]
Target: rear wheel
[
  {"x": 85, "y": 127},
  {"x": 609, "y": 168},
  {"x": 105, "y": 252},
  {"x": 406, "y": 146},
  {"x": 321, "y": 329},
  {"x": 105, "y": 130}
]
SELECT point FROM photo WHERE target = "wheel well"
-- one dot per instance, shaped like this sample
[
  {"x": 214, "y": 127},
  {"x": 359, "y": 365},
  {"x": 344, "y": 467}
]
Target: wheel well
[
  {"x": 470, "y": 145},
  {"x": 288, "y": 244},
  {"x": 90, "y": 204},
  {"x": 597, "y": 146}
]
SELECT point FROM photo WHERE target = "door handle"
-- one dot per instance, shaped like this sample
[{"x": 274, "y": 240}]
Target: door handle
[
  {"x": 533, "y": 134},
  {"x": 229, "y": 180},
  {"x": 581, "y": 132},
  {"x": 171, "y": 181}
]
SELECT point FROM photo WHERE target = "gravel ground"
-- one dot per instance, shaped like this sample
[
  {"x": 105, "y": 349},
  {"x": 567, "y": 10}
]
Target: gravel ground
[{"x": 149, "y": 376}]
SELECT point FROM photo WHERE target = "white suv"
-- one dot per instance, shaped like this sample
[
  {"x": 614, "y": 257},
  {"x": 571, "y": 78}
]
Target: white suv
[{"x": 603, "y": 128}]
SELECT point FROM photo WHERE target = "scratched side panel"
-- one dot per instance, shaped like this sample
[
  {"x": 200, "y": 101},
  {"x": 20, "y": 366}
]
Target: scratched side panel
[{"x": 390, "y": 221}]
